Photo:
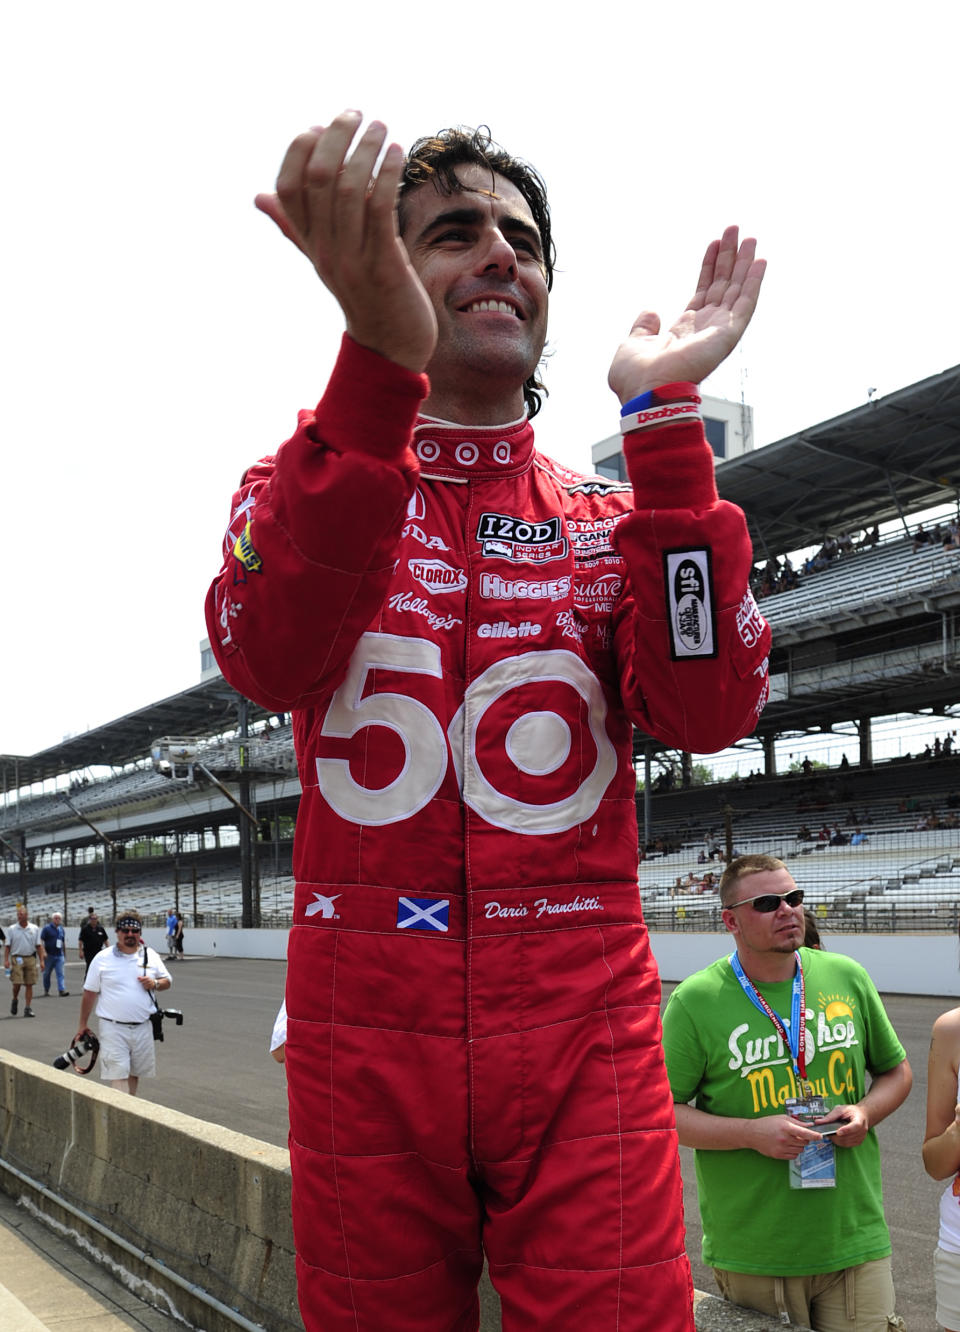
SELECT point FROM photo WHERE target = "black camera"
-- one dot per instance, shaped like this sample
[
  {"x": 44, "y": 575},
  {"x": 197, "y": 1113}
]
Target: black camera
[
  {"x": 156, "y": 1020},
  {"x": 87, "y": 1044}
]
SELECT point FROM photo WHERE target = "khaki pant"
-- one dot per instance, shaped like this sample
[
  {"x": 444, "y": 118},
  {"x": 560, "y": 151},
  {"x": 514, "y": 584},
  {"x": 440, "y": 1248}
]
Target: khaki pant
[
  {"x": 26, "y": 972},
  {"x": 856, "y": 1299}
]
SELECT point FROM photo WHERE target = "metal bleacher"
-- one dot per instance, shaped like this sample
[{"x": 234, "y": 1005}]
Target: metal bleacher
[{"x": 889, "y": 574}]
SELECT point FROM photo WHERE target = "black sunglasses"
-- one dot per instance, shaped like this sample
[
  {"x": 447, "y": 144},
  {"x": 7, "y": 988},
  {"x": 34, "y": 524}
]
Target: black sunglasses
[{"x": 768, "y": 902}]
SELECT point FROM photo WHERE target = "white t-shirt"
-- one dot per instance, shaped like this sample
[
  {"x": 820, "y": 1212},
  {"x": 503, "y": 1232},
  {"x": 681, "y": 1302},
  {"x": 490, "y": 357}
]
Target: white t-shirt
[
  {"x": 113, "y": 975},
  {"x": 279, "y": 1035}
]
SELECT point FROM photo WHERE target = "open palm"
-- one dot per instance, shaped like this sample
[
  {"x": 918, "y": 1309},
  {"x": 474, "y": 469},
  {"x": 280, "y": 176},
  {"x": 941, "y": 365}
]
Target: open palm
[{"x": 705, "y": 333}]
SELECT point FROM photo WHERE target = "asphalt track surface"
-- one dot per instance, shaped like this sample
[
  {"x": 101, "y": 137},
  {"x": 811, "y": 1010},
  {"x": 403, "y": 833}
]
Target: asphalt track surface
[{"x": 217, "y": 1067}]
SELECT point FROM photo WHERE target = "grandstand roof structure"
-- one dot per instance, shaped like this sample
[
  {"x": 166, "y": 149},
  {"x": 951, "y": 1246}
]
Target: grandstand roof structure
[
  {"x": 203, "y": 709},
  {"x": 891, "y": 457}
]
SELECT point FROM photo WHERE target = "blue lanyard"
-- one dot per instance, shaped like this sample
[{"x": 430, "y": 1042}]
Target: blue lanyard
[{"x": 793, "y": 1039}]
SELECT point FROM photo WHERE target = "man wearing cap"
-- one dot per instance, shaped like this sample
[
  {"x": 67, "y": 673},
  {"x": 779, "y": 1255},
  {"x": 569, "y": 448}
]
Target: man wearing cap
[
  {"x": 23, "y": 954},
  {"x": 55, "y": 946},
  {"x": 127, "y": 979}
]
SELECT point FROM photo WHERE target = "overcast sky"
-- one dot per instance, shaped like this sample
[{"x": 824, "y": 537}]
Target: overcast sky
[{"x": 159, "y": 334}]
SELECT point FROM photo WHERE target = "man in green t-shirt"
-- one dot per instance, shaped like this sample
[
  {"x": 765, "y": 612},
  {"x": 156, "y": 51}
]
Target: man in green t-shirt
[{"x": 820, "y": 1249}]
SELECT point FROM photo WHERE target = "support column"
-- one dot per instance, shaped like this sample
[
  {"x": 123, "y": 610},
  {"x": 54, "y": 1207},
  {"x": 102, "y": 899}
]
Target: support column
[
  {"x": 249, "y": 878},
  {"x": 770, "y": 755},
  {"x": 647, "y": 794},
  {"x": 864, "y": 726}
]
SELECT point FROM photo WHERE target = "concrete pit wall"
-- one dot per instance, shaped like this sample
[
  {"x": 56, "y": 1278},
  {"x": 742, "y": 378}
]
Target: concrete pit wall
[
  {"x": 198, "y": 1202},
  {"x": 209, "y": 1205}
]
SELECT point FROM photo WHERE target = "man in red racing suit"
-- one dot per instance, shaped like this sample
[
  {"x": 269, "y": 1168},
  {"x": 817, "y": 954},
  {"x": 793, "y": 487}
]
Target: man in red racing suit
[{"x": 465, "y": 631}]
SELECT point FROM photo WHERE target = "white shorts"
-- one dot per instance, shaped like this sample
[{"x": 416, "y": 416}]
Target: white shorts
[
  {"x": 946, "y": 1272},
  {"x": 126, "y": 1052}
]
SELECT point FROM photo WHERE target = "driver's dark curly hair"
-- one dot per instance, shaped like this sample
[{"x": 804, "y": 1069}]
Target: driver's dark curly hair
[{"x": 434, "y": 159}]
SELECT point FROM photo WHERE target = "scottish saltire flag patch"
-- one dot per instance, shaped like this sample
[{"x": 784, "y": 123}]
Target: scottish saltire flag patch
[{"x": 423, "y": 913}]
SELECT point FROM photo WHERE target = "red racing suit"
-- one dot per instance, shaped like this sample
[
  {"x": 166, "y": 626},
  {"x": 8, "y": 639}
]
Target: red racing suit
[{"x": 464, "y": 632}]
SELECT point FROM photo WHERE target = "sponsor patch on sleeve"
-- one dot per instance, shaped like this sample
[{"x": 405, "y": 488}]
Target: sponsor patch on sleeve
[
  {"x": 246, "y": 556},
  {"x": 689, "y": 587}
]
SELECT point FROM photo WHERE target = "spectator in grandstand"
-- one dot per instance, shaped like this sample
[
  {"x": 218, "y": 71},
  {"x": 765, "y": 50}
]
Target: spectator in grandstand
[
  {"x": 872, "y": 537},
  {"x": 815, "y": 1256},
  {"x": 23, "y": 955},
  {"x": 92, "y": 938},
  {"x": 409, "y": 584},
  {"x": 920, "y": 537},
  {"x": 941, "y": 1159},
  {"x": 124, "y": 982},
  {"x": 804, "y": 834},
  {"x": 54, "y": 938},
  {"x": 858, "y": 837},
  {"x": 171, "y": 934}
]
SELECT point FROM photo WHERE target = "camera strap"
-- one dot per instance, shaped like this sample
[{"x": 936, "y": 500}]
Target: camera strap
[
  {"x": 152, "y": 993},
  {"x": 94, "y": 1053}
]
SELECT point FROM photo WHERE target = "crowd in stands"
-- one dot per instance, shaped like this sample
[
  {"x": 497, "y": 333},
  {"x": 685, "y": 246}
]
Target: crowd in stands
[
  {"x": 779, "y": 575},
  {"x": 693, "y": 883},
  {"x": 834, "y": 835},
  {"x": 942, "y": 534}
]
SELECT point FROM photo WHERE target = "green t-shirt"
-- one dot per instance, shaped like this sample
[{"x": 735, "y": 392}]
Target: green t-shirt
[{"x": 727, "y": 1057}]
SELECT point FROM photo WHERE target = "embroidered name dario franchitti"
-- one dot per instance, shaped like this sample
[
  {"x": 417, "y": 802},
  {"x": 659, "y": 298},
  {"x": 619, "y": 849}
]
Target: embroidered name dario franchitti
[{"x": 541, "y": 907}]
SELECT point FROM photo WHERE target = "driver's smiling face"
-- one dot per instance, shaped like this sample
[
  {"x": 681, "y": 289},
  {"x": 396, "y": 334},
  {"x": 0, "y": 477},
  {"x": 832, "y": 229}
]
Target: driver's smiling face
[{"x": 480, "y": 258}]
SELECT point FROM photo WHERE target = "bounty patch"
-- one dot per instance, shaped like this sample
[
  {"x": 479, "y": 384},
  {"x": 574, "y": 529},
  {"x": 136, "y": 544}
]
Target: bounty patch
[{"x": 245, "y": 556}]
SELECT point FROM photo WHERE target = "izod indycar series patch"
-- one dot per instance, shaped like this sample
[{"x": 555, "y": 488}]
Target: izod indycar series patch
[
  {"x": 515, "y": 539},
  {"x": 689, "y": 588}
]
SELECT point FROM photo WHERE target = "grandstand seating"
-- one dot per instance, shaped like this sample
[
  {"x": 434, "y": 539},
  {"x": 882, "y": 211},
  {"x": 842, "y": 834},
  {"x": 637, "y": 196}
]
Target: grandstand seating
[
  {"x": 154, "y": 885},
  {"x": 890, "y": 573}
]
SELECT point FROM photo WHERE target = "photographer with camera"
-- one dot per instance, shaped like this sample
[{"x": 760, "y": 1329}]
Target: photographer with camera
[{"x": 127, "y": 979}]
